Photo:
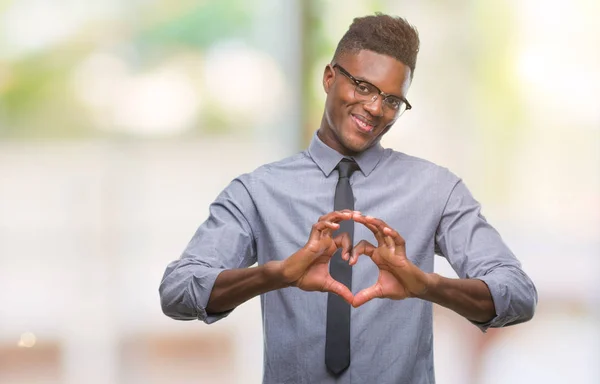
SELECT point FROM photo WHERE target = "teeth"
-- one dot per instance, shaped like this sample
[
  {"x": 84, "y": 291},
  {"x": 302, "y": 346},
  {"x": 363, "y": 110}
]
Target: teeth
[{"x": 363, "y": 124}]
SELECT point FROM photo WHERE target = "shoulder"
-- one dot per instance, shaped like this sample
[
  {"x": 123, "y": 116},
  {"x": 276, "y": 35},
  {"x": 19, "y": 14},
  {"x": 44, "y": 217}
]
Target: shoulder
[
  {"x": 276, "y": 170},
  {"x": 420, "y": 168}
]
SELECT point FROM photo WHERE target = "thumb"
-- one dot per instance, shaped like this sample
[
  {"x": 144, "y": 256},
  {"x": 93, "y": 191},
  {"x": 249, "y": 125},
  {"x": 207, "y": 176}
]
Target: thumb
[
  {"x": 366, "y": 295},
  {"x": 334, "y": 286}
]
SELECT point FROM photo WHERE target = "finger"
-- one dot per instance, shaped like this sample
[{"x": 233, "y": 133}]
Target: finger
[
  {"x": 390, "y": 243},
  {"x": 362, "y": 248},
  {"x": 337, "y": 216},
  {"x": 386, "y": 230},
  {"x": 366, "y": 221},
  {"x": 343, "y": 241},
  {"x": 322, "y": 226},
  {"x": 377, "y": 222},
  {"x": 330, "y": 227},
  {"x": 379, "y": 236},
  {"x": 339, "y": 289},
  {"x": 398, "y": 239},
  {"x": 315, "y": 231},
  {"x": 366, "y": 295},
  {"x": 359, "y": 218}
]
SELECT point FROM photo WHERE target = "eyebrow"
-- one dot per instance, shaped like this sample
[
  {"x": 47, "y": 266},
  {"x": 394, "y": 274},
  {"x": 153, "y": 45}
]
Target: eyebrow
[{"x": 362, "y": 80}]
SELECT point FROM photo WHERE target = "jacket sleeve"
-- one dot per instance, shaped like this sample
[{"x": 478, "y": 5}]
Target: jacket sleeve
[
  {"x": 475, "y": 250},
  {"x": 224, "y": 241}
]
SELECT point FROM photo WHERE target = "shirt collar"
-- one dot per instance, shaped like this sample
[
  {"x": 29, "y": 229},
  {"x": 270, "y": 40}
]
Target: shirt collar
[{"x": 328, "y": 158}]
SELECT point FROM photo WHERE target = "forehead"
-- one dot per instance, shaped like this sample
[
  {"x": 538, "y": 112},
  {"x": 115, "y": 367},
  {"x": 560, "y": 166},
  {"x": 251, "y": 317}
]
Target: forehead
[{"x": 387, "y": 73}]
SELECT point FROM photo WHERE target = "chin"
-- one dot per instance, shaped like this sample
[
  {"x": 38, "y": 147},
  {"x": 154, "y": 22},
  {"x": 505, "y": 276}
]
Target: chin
[
  {"x": 356, "y": 142},
  {"x": 356, "y": 146}
]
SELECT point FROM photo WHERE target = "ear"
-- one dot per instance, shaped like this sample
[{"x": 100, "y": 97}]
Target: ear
[{"x": 328, "y": 77}]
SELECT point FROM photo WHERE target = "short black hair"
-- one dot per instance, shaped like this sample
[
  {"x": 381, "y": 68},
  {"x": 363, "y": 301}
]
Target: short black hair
[{"x": 383, "y": 34}]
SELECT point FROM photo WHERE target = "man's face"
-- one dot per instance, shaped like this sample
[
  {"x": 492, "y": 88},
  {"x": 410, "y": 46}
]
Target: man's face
[{"x": 349, "y": 125}]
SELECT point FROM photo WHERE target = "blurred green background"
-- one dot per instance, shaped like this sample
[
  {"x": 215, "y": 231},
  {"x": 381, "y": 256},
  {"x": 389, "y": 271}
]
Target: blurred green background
[{"x": 120, "y": 121}]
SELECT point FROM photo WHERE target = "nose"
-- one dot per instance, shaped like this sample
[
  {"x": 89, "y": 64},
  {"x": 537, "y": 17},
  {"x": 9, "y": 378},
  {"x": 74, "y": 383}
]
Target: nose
[{"x": 375, "y": 106}]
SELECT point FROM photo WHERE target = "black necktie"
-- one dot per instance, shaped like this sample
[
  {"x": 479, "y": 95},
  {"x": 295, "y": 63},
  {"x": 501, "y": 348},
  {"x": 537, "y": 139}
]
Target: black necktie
[{"x": 337, "y": 339}]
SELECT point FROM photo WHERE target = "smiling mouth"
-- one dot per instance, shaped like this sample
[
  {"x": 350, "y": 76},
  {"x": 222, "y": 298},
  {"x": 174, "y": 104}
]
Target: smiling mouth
[{"x": 363, "y": 125}]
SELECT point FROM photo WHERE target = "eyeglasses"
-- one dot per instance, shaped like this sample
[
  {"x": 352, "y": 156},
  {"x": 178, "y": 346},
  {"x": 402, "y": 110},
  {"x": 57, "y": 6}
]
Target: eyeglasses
[{"x": 368, "y": 93}]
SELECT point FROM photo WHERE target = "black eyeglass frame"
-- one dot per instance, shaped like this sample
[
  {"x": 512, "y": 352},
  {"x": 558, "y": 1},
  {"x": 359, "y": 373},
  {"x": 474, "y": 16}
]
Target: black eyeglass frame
[{"x": 381, "y": 93}]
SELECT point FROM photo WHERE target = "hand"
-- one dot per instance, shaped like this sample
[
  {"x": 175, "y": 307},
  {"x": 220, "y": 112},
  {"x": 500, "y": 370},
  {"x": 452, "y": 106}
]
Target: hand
[
  {"x": 398, "y": 277},
  {"x": 308, "y": 269}
]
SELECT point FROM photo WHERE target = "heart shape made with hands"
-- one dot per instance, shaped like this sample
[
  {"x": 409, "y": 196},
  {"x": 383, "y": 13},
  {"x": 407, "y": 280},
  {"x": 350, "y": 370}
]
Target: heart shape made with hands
[{"x": 398, "y": 277}]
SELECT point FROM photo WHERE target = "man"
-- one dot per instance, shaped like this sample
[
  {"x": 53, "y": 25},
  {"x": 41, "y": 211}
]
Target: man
[{"x": 412, "y": 210}]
